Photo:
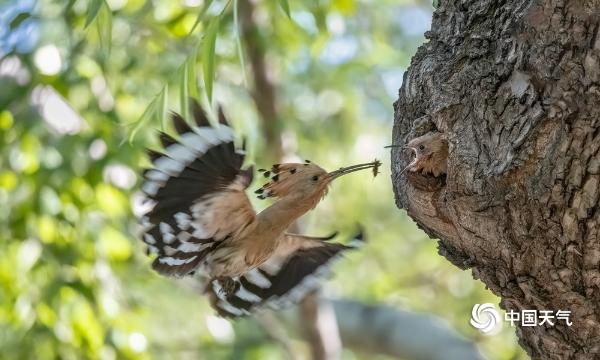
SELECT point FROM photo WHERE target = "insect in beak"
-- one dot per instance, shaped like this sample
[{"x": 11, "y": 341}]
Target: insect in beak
[{"x": 349, "y": 169}]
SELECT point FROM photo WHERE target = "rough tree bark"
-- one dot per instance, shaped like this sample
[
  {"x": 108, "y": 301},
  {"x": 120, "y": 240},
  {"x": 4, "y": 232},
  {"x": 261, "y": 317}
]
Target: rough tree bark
[{"x": 515, "y": 85}]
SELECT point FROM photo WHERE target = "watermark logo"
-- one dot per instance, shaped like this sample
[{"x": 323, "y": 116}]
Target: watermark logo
[
  {"x": 538, "y": 318},
  {"x": 486, "y": 318}
]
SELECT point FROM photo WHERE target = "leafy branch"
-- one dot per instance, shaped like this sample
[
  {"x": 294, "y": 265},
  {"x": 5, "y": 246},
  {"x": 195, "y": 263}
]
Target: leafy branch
[{"x": 186, "y": 75}]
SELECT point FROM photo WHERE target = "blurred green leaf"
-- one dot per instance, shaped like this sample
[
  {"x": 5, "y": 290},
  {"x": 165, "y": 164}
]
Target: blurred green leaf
[
  {"x": 110, "y": 200},
  {"x": 201, "y": 15},
  {"x": 146, "y": 115},
  {"x": 286, "y": 7},
  {"x": 238, "y": 41},
  {"x": 114, "y": 244},
  {"x": 17, "y": 20},
  {"x": 104, "y": 24},
  {"x": 192, "y": 74},
  {"x": 161, "y": 113},
  {"x": 86, "y": 326},
  {"x": 208, "y": 55},
  {"x": 6, "y": 119},
  {"x": 47, "y": 228},
  {"x": 93, "y": 11},
  {"x": 8, "y": 180},
  {"x": 184, "y": 86},
  {"x": 49, "y": 201}
]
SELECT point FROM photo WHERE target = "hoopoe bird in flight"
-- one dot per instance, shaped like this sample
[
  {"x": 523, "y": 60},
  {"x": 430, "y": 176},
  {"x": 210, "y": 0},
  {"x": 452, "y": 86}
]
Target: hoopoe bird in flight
[{"x": 202, "y": 220}]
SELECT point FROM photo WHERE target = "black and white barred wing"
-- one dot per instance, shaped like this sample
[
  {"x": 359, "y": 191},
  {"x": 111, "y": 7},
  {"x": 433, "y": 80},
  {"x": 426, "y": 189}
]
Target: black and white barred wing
[
  {"x": 197, "y": 187},
  {"x": 297, "y": 268}
]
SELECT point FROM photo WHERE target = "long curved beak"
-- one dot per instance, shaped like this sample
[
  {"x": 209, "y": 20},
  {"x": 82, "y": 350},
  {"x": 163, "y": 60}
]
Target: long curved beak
[{"x": 349, "y": 169}]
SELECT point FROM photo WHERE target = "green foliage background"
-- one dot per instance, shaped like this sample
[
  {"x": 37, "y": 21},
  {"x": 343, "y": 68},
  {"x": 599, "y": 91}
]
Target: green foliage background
[{"x": 74, "y": 280}]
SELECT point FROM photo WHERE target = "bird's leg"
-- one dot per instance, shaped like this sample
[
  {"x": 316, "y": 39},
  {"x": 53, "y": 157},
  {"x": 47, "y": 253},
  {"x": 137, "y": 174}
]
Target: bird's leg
[{"x": 228, "y": 285}]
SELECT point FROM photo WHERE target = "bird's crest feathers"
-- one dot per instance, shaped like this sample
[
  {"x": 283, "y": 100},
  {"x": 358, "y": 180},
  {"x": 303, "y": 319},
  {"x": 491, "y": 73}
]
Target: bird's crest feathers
[{"x": 284, "y": 179}]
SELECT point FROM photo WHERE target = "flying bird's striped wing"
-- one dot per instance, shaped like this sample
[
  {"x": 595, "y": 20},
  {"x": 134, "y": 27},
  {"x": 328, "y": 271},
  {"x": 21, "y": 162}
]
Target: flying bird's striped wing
[
  {"x": 197, "y": 187},
  {"x": 296, "y": 269}
]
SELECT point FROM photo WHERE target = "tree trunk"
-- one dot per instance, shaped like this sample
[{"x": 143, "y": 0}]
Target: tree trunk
[{"x": 515, "y": 86}]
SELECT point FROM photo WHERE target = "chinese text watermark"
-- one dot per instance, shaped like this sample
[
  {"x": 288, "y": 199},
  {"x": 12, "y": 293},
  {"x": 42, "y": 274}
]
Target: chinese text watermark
[{"x": 487, "y": 319}]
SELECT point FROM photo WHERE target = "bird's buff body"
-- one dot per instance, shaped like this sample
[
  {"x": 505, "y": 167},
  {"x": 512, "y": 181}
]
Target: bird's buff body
[
  {"x": 202, "y": 219},
  {"x": 299, "y": 192}
]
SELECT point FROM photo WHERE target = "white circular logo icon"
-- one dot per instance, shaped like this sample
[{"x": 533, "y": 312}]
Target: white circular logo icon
[{"x": 486, "y": 318}]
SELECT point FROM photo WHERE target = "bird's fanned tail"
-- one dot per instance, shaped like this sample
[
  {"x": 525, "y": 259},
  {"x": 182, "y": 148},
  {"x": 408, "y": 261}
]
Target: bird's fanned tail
[{"x": 284, "y": 279}]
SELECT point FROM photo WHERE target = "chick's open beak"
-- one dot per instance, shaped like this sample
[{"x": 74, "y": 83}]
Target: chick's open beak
[
  {"x": 413, "y": 162},
  {"x": 349, "y": 169}
]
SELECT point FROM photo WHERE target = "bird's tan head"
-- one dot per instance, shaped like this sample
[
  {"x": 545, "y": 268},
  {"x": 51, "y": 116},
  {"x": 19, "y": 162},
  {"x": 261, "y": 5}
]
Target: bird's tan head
[
  {"x": 428, "y": 144},
  {"x": 430, "y": 153},
  {"x": 304, "y": 181}
]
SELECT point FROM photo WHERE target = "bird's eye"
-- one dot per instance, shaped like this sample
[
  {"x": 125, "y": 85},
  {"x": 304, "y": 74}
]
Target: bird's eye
[
  {"x": 315, "y": 178},
  {"x": 421, "y": 147}
]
